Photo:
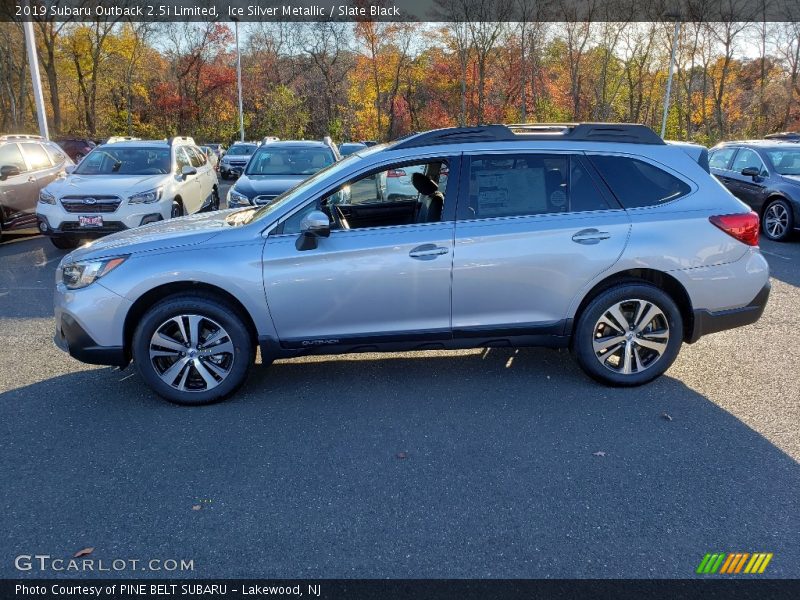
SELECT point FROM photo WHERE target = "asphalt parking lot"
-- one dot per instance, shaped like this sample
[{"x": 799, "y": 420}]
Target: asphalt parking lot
[{"x": 497, "y": 463}]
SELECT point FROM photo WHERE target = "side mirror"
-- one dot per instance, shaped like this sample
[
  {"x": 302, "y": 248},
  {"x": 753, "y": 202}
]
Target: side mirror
[
  {"x": 69, "y": 169},
  {"x": 314, "y": 225},
  {"x": 751, "y": 172},
  {"x": 7, "y": 171},
  {"x": 187, "y": 170}
]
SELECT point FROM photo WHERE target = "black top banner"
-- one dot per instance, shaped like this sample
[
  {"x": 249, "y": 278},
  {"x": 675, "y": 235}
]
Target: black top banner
[{"x": 402, "y": 10}]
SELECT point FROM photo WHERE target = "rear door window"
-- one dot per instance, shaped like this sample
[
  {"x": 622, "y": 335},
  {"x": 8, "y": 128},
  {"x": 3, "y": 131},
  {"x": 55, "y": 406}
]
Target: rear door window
[
  {"x": 36, "y": 156},
  {"x": 530, "y": 184},
  {"x": 636, "y": 183}
]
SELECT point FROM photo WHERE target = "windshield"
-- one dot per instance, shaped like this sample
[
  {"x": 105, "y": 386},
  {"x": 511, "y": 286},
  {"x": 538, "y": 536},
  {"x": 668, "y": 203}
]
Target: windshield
[
  {"x": 241, "y": 150},
  {"x": 121, "y": 160},
  {"x": 785, "y": 160},
  {"x": 289, "y": 161}
]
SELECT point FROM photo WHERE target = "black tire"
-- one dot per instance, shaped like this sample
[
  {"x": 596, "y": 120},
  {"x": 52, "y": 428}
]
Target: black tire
[
  {"x": 777, "y": 223},
  {"x": 214, "y": 200},
  {"x": 589, "y": 329},
  {"x": 65, "y": 243},
  {"x": 206, "y": 307},
  {"x": 176, "y": 210}
]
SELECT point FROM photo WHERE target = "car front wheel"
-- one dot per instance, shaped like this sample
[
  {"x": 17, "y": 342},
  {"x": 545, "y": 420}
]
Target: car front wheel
[
  {"x": 192, "y": 350},
  {"x": 628, "y": 335}
]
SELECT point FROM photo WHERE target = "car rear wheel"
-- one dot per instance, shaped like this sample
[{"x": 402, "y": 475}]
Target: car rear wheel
[
  {"x": 65, "y": 243},
  {"x": 628, "y": 335},
  {"x": 192, "y": 350},
  {"x": 778, "y": 221}
]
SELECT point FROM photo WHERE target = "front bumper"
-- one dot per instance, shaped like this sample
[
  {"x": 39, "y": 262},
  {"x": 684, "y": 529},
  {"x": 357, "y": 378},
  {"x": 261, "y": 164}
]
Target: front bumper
[
  {"x": 706, "y": 321},
  {"x": 72, "y": 338},
  {"x": 54, "y": 221},
  {"x": 89, "y": 324}
]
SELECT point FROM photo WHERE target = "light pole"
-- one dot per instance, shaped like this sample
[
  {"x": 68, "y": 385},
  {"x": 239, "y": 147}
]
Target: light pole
[
  {"x": 36, "y": 81},
  {"x": 239, "y": 78},
  {"x": 675, "y": 36}
]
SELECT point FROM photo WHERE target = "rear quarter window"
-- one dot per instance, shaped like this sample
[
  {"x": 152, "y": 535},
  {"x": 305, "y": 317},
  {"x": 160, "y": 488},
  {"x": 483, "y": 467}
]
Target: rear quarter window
[{"x": 636, "y": 183}]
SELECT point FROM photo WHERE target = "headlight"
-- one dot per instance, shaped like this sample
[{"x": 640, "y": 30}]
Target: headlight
[
  {"x": 236, "y": 199},
  {"x": 80, "y": 274},
  {"x": 147, "y": 197},
  {"x": 46, "y": 197}
]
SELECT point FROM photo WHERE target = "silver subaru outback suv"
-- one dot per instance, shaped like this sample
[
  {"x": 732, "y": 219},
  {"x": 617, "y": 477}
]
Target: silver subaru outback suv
[{"x": 597, "y": 237}]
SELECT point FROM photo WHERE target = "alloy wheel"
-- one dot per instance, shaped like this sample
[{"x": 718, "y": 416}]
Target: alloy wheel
[
  {"x": 192, "y": 353},
  {"x": 630, "y": 336},
  {"x": 776, "y": 220}
]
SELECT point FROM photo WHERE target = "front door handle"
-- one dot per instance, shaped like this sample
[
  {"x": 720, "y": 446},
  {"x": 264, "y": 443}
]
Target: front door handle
[
  {"x": 428, "y": 251},
  {"x": 590, "y": 236}
]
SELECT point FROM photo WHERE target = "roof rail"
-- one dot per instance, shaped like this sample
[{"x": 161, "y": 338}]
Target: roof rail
[
  {"x": 629, "y": 133},
  {"x": 19, "y": 136},
  {"x": 185, "y": 139},
  {"x": 121, "y": 138},
  {"x": 789, "y": 136}
]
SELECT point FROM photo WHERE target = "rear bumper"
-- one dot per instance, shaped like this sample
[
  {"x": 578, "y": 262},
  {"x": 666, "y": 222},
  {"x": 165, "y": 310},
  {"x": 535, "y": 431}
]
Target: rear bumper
[
  {"x": 72, "y": 338},
  {"x": 706, "y": 321}
]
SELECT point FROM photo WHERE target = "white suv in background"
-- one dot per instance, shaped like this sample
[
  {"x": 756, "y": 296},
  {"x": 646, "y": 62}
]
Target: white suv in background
[{"x": 125, "y": 184}]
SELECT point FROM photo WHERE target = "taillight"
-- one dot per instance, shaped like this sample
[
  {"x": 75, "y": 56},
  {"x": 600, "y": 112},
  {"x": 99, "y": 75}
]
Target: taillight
[
  {"x": 743, "y": 226},
  {"x": 395, "y": 173}
]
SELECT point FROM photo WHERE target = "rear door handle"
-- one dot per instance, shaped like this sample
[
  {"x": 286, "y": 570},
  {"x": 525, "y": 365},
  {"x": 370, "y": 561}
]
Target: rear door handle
[
  {"x": 428, "y": 251},
  {"x": 590, "y": 236}
]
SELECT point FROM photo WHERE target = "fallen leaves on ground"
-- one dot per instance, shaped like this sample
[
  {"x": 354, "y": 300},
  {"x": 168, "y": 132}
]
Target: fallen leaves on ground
[
  {"x": 666, "y": 417},
  {"x": 402, "y": 455},
  {"x": 197, "y": 507},
  {"x": 84, "y": 552},
  {"x": 598, "y": 453}
]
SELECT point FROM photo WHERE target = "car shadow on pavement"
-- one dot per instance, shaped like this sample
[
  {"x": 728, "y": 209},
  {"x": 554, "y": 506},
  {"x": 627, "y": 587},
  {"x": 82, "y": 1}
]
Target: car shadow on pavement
[
  {"x": 783, "y": 259},
  {"x": 500, "y": 463}
]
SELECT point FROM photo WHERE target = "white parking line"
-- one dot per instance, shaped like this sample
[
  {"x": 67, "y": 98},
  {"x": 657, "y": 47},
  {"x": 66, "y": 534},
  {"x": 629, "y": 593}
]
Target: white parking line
[{"x": 776, "y": 255}]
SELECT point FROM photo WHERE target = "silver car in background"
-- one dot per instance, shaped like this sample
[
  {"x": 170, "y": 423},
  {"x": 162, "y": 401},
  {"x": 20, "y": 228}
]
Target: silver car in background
[{"x": 596, "y": 237}]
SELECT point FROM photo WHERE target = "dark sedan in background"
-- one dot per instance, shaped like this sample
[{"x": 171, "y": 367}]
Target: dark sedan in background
[
  {"x": 278, "y": 166},
  {"x": 765, "y": 174},
  {"x": 76, "y": 148}
]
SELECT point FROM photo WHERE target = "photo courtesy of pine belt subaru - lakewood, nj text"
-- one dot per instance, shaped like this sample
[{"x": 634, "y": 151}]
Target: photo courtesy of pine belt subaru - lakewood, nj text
[
  {"x": 601, "y": 238},
  {"x": 126, "y": 183}
]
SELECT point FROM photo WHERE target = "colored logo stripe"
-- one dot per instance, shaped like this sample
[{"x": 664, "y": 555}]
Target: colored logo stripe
[{"x": 731, "y": 563}]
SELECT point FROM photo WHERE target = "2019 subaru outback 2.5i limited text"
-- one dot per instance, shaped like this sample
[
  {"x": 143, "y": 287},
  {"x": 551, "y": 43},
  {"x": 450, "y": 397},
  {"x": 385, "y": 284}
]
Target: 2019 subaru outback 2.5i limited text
[{"x": 601, "y": 238}]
